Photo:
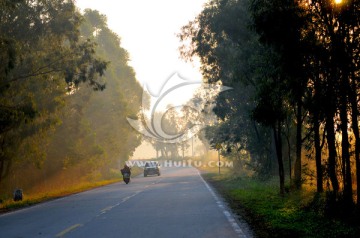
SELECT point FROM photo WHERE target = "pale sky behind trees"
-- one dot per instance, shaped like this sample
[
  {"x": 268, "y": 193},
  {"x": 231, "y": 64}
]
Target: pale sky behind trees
[{"x": 148, "y": 32}]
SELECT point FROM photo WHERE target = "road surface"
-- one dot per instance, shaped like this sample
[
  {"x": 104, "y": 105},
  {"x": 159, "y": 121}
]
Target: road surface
[{"x": 176, "y": 204}]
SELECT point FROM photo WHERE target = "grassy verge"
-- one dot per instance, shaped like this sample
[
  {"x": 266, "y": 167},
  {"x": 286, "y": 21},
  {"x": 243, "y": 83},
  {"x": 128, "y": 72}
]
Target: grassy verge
[
  {"x": 270, "y": 215},
  {"x": 32, "y": 199}
]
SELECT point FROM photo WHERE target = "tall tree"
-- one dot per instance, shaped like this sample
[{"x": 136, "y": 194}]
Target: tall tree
[
  {"x": 279, "y": 25},
  {"x": 230, "y": 52},
  {"x": 97, "y": 130},
  {"x": 40, "y": 46}
]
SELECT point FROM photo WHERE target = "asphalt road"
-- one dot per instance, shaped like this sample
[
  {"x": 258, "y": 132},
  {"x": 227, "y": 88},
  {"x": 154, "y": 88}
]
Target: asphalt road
[{"x": 176, "y": 204}]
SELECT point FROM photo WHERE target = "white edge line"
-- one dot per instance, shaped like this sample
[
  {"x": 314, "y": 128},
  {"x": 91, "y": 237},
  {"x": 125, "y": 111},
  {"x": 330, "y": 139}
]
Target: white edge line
[{"x": 227, "y": 214}]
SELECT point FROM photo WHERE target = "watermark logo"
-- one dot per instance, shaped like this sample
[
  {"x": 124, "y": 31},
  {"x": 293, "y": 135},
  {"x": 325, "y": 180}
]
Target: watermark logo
[
  {"x": 183, "y": 163},
  {"x": 178, "y": 121}
]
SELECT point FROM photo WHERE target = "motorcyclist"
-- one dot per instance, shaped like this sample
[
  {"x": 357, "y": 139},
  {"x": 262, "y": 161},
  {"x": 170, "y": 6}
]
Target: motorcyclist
[{"x": 126, "y": 169}]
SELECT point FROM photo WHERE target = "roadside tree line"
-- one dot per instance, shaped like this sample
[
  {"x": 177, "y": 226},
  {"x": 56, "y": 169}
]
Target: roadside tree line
[
  {"x": 65, "y": 91},
  {"x": 294, "y": 69}
]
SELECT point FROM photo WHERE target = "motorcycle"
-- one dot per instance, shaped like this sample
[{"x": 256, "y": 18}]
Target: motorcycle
[{"x": 126, "y": 177}]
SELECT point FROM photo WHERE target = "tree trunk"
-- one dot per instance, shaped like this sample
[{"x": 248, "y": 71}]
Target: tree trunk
[
  {"x": 289, "y": 156},
  {"x": 5, "y": 166},
  {"x": 319, "y": 172},
  {"x": 330, "y": 137},
  {"x": 278, "y": 146},
  {"x": 345, "y": 146},
  {"x": 355, "y": 128},
  {"x": 2, "y": 166},
  {"x": 297, "y": 166}
]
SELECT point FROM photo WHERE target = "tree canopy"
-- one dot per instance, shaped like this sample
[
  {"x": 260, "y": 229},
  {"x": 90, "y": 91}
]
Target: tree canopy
[
  {"x": 66, "y": 90},
  {"x": 294, "y": 66}
]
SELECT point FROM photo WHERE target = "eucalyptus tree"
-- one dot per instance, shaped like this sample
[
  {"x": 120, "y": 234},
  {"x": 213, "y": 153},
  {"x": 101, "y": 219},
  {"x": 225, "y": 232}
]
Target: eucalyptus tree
[
  {"x": 94, "y": 123},
  {"x": 42, "y": 56},
  {"x": 337, "y": 29},
  {"x": 320, "y": 40},
  {"x": 230, "y": 52},
  {"x": 280, "y": 24}
]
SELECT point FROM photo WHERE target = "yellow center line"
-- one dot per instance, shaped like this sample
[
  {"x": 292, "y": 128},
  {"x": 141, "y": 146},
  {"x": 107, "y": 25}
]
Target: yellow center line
[{"x": 71, "y": 228}]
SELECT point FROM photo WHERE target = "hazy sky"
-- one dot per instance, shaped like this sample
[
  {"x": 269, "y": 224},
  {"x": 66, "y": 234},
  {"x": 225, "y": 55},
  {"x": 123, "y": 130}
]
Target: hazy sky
[{"x": 148, "y": 29}]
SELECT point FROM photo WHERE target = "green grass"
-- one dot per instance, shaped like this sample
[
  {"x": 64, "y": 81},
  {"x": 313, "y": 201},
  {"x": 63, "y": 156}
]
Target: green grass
[{"x": 271, "y": 215}]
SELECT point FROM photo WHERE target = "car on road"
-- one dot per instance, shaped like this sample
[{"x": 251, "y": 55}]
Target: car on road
[{"x": 151, "y": 168}]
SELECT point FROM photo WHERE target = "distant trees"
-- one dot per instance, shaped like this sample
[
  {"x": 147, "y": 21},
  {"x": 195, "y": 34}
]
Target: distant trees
[
  {"x": 295, "y": 60},
  {"x": 172, "y": 123},
  {"x": 176, "y": 122}
]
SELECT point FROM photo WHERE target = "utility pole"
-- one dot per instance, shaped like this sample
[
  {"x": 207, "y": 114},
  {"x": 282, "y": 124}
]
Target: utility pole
[
  {"x": 192, "y": 146},
  {"x": 218, "y": 147}
]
